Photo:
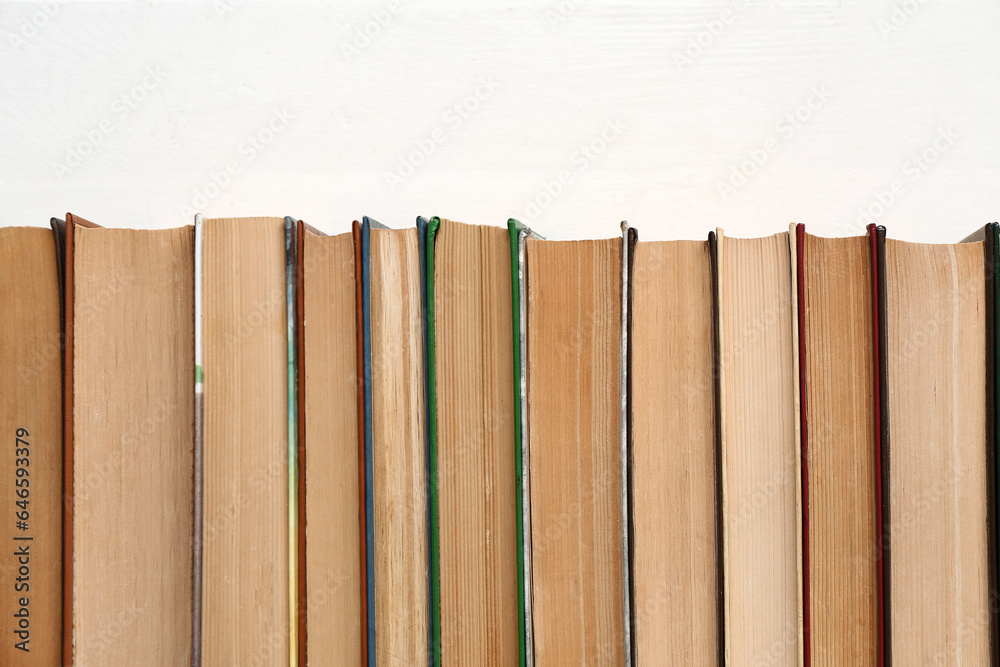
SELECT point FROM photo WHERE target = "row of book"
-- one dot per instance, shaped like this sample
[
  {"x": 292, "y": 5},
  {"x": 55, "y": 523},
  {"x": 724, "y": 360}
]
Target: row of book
[{"x": 249, "y": 442}]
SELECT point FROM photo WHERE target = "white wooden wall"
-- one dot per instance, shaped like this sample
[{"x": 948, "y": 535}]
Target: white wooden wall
[{"x": 568, "y": 114}]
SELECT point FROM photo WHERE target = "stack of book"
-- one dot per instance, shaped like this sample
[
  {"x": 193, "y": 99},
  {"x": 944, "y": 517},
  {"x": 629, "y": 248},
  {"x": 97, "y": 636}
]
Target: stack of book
[{"x": 250, "y": 443}]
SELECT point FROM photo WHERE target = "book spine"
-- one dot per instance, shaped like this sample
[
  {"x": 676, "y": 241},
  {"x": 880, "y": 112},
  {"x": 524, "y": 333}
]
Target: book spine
[
  {"x": 292, "y": 451},
  {"x": 992, "y": 264},
  {"x": 199, "y": 439},
  {"x": 513, "y": 233},
  {"x": 522, "y": 338},
  {"x": 369, "y": 462},
  {"x": 300, "y": 343},
  {"x": 800, "y": 307},
  {"x": 427, "y": 231},
  {"x": 876, "y": 237},
  {"x": 362, "y": 487},
  {"x": 993, "y": 341},
  {"x": 720, "y": 578},
  {"x": 629, "y": 238}
]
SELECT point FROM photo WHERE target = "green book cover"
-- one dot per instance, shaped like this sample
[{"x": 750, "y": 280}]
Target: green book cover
[
  {"x": 519, "y": 233},
  {"x": 429, "y": 231}
]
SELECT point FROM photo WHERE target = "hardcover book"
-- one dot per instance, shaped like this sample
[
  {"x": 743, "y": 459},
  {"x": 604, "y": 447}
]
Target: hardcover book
[
  {"x": 842, "y": 517},
  {"x": 396, "y": 443},
  {"x": 576, "y": 429},
  {"x": 334, "y": 491},
  {"x": 937, "y": 445},
  {"x": 129, "y": 434},
  {"x": 248, "y": 442},
  {"x": 248, "y": 593},
  {"x": 674, "y": 455},
  {"x": 758, "y": 383},
  {"x": 31, "y": 467},
  {"x": 473, "y": 476}
]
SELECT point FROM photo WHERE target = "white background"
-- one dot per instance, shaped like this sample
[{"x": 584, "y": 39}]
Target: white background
[{"x": 130, "y": 114}]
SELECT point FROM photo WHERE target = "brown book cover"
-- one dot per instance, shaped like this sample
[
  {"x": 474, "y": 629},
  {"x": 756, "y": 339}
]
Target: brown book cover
[
  {"x": 876, "y": 244},
  {"x": 367, "y": 620},
  {"x": 991, "y": 247}
]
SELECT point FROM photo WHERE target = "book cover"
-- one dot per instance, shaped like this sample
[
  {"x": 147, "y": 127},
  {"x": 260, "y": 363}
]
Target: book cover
[{"x": 518, "y": 233}]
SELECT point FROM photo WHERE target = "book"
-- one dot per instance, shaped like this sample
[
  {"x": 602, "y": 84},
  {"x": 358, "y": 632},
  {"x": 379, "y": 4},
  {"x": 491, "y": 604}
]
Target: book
[
  {"x": 396, "y": 443},
  {"x": 576, "y": 428},
  {"x": 248, "y": 442},
  {"x": 759, "y": 444},
  {"x": 248, "y": 584},
  {"x": 676, "y": 601},
  {"x": 933, "y": 299},
  {"x": 473, "y": 474},
  {"x": 842, "y": 525},
  {"x": 129, "y": 432},
  {"x": 31, "y": 468},
  {"x": 334, "y": 455}
]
